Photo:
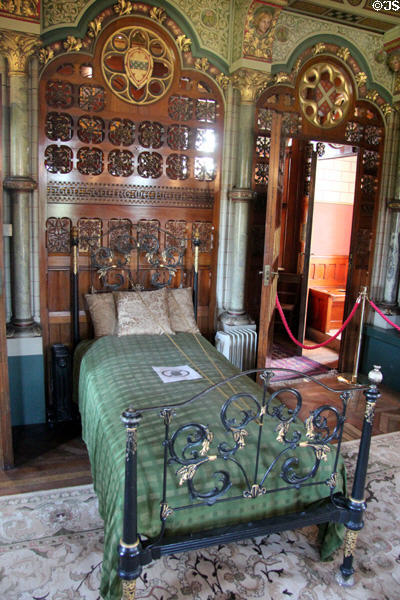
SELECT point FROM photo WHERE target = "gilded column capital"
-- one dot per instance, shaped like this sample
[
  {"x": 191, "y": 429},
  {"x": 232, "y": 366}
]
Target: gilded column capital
[
  {"x": 250, "y": 83},
  {"x": 18, "y": 48}
]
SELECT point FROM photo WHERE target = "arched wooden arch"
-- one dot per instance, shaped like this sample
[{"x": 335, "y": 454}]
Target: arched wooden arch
[
  {"x": 106, "y": 159},
  {"x": 282, "y": 113}
]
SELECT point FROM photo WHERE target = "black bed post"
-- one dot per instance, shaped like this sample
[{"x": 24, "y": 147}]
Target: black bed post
[
  {"x": 75, "y": 287},
  {"x": 196, "y": 244},
  {"x": 356, "y": 502},
  {"x": 129, "y": 548}
]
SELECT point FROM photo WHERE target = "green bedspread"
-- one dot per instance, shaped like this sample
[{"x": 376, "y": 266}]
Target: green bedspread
[{"x": 117, "y": 372}]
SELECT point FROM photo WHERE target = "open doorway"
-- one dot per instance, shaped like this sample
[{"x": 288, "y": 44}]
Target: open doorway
[{"x": 331, "y": 227}]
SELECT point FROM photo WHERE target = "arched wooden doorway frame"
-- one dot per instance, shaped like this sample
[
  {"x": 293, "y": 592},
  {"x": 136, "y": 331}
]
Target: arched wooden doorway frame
[{"x": 362, "y": 126}]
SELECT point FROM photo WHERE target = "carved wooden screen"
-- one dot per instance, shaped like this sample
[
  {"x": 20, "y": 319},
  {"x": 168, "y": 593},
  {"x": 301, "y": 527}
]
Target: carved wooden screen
[{"x": 120, "y": 145}]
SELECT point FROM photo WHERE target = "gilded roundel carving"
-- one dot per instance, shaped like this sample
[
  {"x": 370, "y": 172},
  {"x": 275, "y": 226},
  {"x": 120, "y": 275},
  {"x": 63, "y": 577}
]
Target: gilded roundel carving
[
  {"x": 325, "y": 95},
  {"x": 137, "y": 65}
]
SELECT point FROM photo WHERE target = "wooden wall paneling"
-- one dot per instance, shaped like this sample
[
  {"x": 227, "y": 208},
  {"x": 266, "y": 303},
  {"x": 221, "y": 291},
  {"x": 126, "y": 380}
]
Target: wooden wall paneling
[{"x": 82, "y": 117}]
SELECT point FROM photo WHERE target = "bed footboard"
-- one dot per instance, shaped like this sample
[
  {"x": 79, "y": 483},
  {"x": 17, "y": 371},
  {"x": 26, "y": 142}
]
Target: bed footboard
[{"x": 316, "y": 439}]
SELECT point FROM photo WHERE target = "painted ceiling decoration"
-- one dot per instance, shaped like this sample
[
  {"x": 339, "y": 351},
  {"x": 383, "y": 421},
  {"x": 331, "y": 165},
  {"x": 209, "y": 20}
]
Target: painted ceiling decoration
[{"x": 24, "y": 10}]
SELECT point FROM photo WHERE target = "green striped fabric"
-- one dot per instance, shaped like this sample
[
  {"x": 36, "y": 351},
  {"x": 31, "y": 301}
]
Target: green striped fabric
[{"x": 116, "y": 373}]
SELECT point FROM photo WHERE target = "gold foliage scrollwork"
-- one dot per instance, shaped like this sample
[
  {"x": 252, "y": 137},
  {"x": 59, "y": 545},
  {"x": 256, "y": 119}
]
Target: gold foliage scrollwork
[
  {"x": 128, "y": 589},
  {"x": 369, "y": 412},
  {"x": 350, "y": 541},
  {"x": 318, "y": 48},
  {"x": 250, "y": 83},
  {"x": 123, "y": 7},
  {"x": 256, "y": 490},
  {"x": 282, "y": 77},
  {"x": 361, "y": 78},
  {"x": 321, "y": 450},
  {"x": 372, "y": 95},
  {"x": 240, "y": 437},
  {"x": 184, "y": 43},
  {"x": 45, "y": 55},
  {"x": 386, "y": 109},
  {"x": 282, "y": 430},
  {"x": 94, "y": 27},
  {"x": 166, "y": 511},
  {"x": 331, "y": 482},
  {"x": 343, "y": 53},
  {"x": 158, "y": 14},
  {"x": 72, "y": 44},
  {"x": 18, "y": 47},
  {"x": 223, "y": 80},
  {"x": 202, "y": 64}
]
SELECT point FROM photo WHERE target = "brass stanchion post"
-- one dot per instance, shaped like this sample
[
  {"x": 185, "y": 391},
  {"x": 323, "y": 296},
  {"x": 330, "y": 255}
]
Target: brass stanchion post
[{"x": 363, "y": 295}]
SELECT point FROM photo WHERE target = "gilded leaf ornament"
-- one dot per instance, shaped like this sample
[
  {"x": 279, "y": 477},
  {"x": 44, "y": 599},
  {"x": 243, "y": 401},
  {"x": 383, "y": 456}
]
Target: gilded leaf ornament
[
  {"x": 343, "y": 53},
  {"x": 202, "y": 64},
  {"x": 281, "y": 77},
  {"x": 319, "y": 48},
  {"x": 123, "y": 7},
  {"x": 372, "y": 95},
  {"x": 94, "y": 27},
  {"x": 184, "y": 43},
  {"x": 250, "y": 83},
  {"x": 45, "y": 55},
  {"x": 361, "y": 78},
  {"x": 223, "y": 80},
  {"x": 72, "y": 44},
  {"x": 18, "y": 48},
  {"x": 158, "y": 14},
  {"x": 386, "y": 109}
]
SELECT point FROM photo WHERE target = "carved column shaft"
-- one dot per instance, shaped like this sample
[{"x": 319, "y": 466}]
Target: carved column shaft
[
  {"x": 250, "y": 83},
  {"x": 17, "y": 49}
]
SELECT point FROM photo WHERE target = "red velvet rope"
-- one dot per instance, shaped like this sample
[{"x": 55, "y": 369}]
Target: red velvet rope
[
  {"x": 382, "y": 315},
  {"x": 290, "y": 334}
]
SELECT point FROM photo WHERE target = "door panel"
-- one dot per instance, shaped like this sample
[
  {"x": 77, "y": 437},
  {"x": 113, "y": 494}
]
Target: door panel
[{"x": 272, "y": 239}]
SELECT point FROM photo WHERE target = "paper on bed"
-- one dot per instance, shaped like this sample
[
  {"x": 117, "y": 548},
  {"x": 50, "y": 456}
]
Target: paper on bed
[{"x": 180, "y": 373}]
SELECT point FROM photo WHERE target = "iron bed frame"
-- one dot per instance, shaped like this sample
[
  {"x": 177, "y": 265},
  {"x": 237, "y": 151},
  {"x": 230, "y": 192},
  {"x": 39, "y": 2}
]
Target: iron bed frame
[{"x": 134, "y": 551}]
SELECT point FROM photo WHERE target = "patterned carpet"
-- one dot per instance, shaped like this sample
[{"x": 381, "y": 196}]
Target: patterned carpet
[
  {"x": 281, "y": 359},
  {"x": 51, "y": 548}
]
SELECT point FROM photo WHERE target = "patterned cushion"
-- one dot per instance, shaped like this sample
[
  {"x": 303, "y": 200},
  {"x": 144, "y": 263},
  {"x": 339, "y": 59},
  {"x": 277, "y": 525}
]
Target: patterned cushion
[
  {"x": 142, "y": 313},
  {"x": 181, "y": 313},
  {"x": 102, "y": 312}
]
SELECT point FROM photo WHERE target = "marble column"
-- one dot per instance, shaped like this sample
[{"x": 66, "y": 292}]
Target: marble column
[
  {"x": 18, "y": 48},
  {"x": 250, "y": 84},
  {"x": 391, "y": 294}
]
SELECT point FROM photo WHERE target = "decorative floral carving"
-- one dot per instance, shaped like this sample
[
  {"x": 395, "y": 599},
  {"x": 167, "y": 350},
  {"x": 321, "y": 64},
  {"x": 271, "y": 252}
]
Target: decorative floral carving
[
  {"x": 58, "y": 159},
  {"x": 90, "y": 161},
  {"x": 158, "y": 14},
  {"x": 361, "y": 78},
  {"x": 120, "y": 163},
  {"x": 223, "y": 80},
  {"x": 123, "y": 7},
  {"x": 372, "y": 95},
  {"x": 180, "y": 108},
  {"x": 45, "y": 55},
  {"x": 202, "y": 64},
  {"x": 319, "y": 48},
  {"x": 89, "y": 229},
  {"x": 72, "y": 44},
  {"x": 177, "y": 166},
  {"x": 204, "y": 229},
  {"x": 184, "y": 43},
  {"x": 250, "y": 83},
  {"x": 58, "y": 235},
  {"x": 94, "y": 27},
  {"x": 150, "y": 164},
  {"x": 58, "y": 126},
  {"x": 343, "y": 53},
  {"x": 18, "y": 48}
]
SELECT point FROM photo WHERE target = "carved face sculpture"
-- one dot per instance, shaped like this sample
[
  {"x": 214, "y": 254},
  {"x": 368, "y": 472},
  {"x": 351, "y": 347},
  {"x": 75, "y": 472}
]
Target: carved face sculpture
[
  {"x": 262, "y": 23},
  {"x": 394, "y": 62}
]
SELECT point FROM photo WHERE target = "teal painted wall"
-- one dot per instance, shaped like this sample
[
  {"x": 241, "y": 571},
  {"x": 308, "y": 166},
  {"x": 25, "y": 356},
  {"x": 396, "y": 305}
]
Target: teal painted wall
[
  {"x": 382, "y": 347},
  {"x": 27, "y": 398}
]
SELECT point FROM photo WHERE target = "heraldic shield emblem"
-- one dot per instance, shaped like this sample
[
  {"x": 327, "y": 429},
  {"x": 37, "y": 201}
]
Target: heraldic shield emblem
[{"x": 138, "y": 65}]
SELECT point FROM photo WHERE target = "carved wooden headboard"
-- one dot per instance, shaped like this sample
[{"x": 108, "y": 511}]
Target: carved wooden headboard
[{"x": 128, "y": 257}]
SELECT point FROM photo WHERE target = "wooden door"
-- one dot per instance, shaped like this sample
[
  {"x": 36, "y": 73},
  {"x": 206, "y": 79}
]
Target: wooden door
[
  {"x": 272, "y": 239},
  {"x": 6, "y": 449},
  {"x": 368, "y": 132}
]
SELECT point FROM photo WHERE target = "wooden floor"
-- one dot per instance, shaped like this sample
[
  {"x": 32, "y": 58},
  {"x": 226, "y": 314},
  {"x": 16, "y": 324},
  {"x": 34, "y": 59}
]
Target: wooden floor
[{"x": 52, "y": 458}]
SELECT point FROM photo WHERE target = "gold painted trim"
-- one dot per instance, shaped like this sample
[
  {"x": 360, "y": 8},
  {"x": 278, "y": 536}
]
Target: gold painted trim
[
  {"x": 350, "y": 541},
  {"x": 128, "y": 589},
  {"x": 354, "y": 501},
  {"x": 124, "y": 545}
]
